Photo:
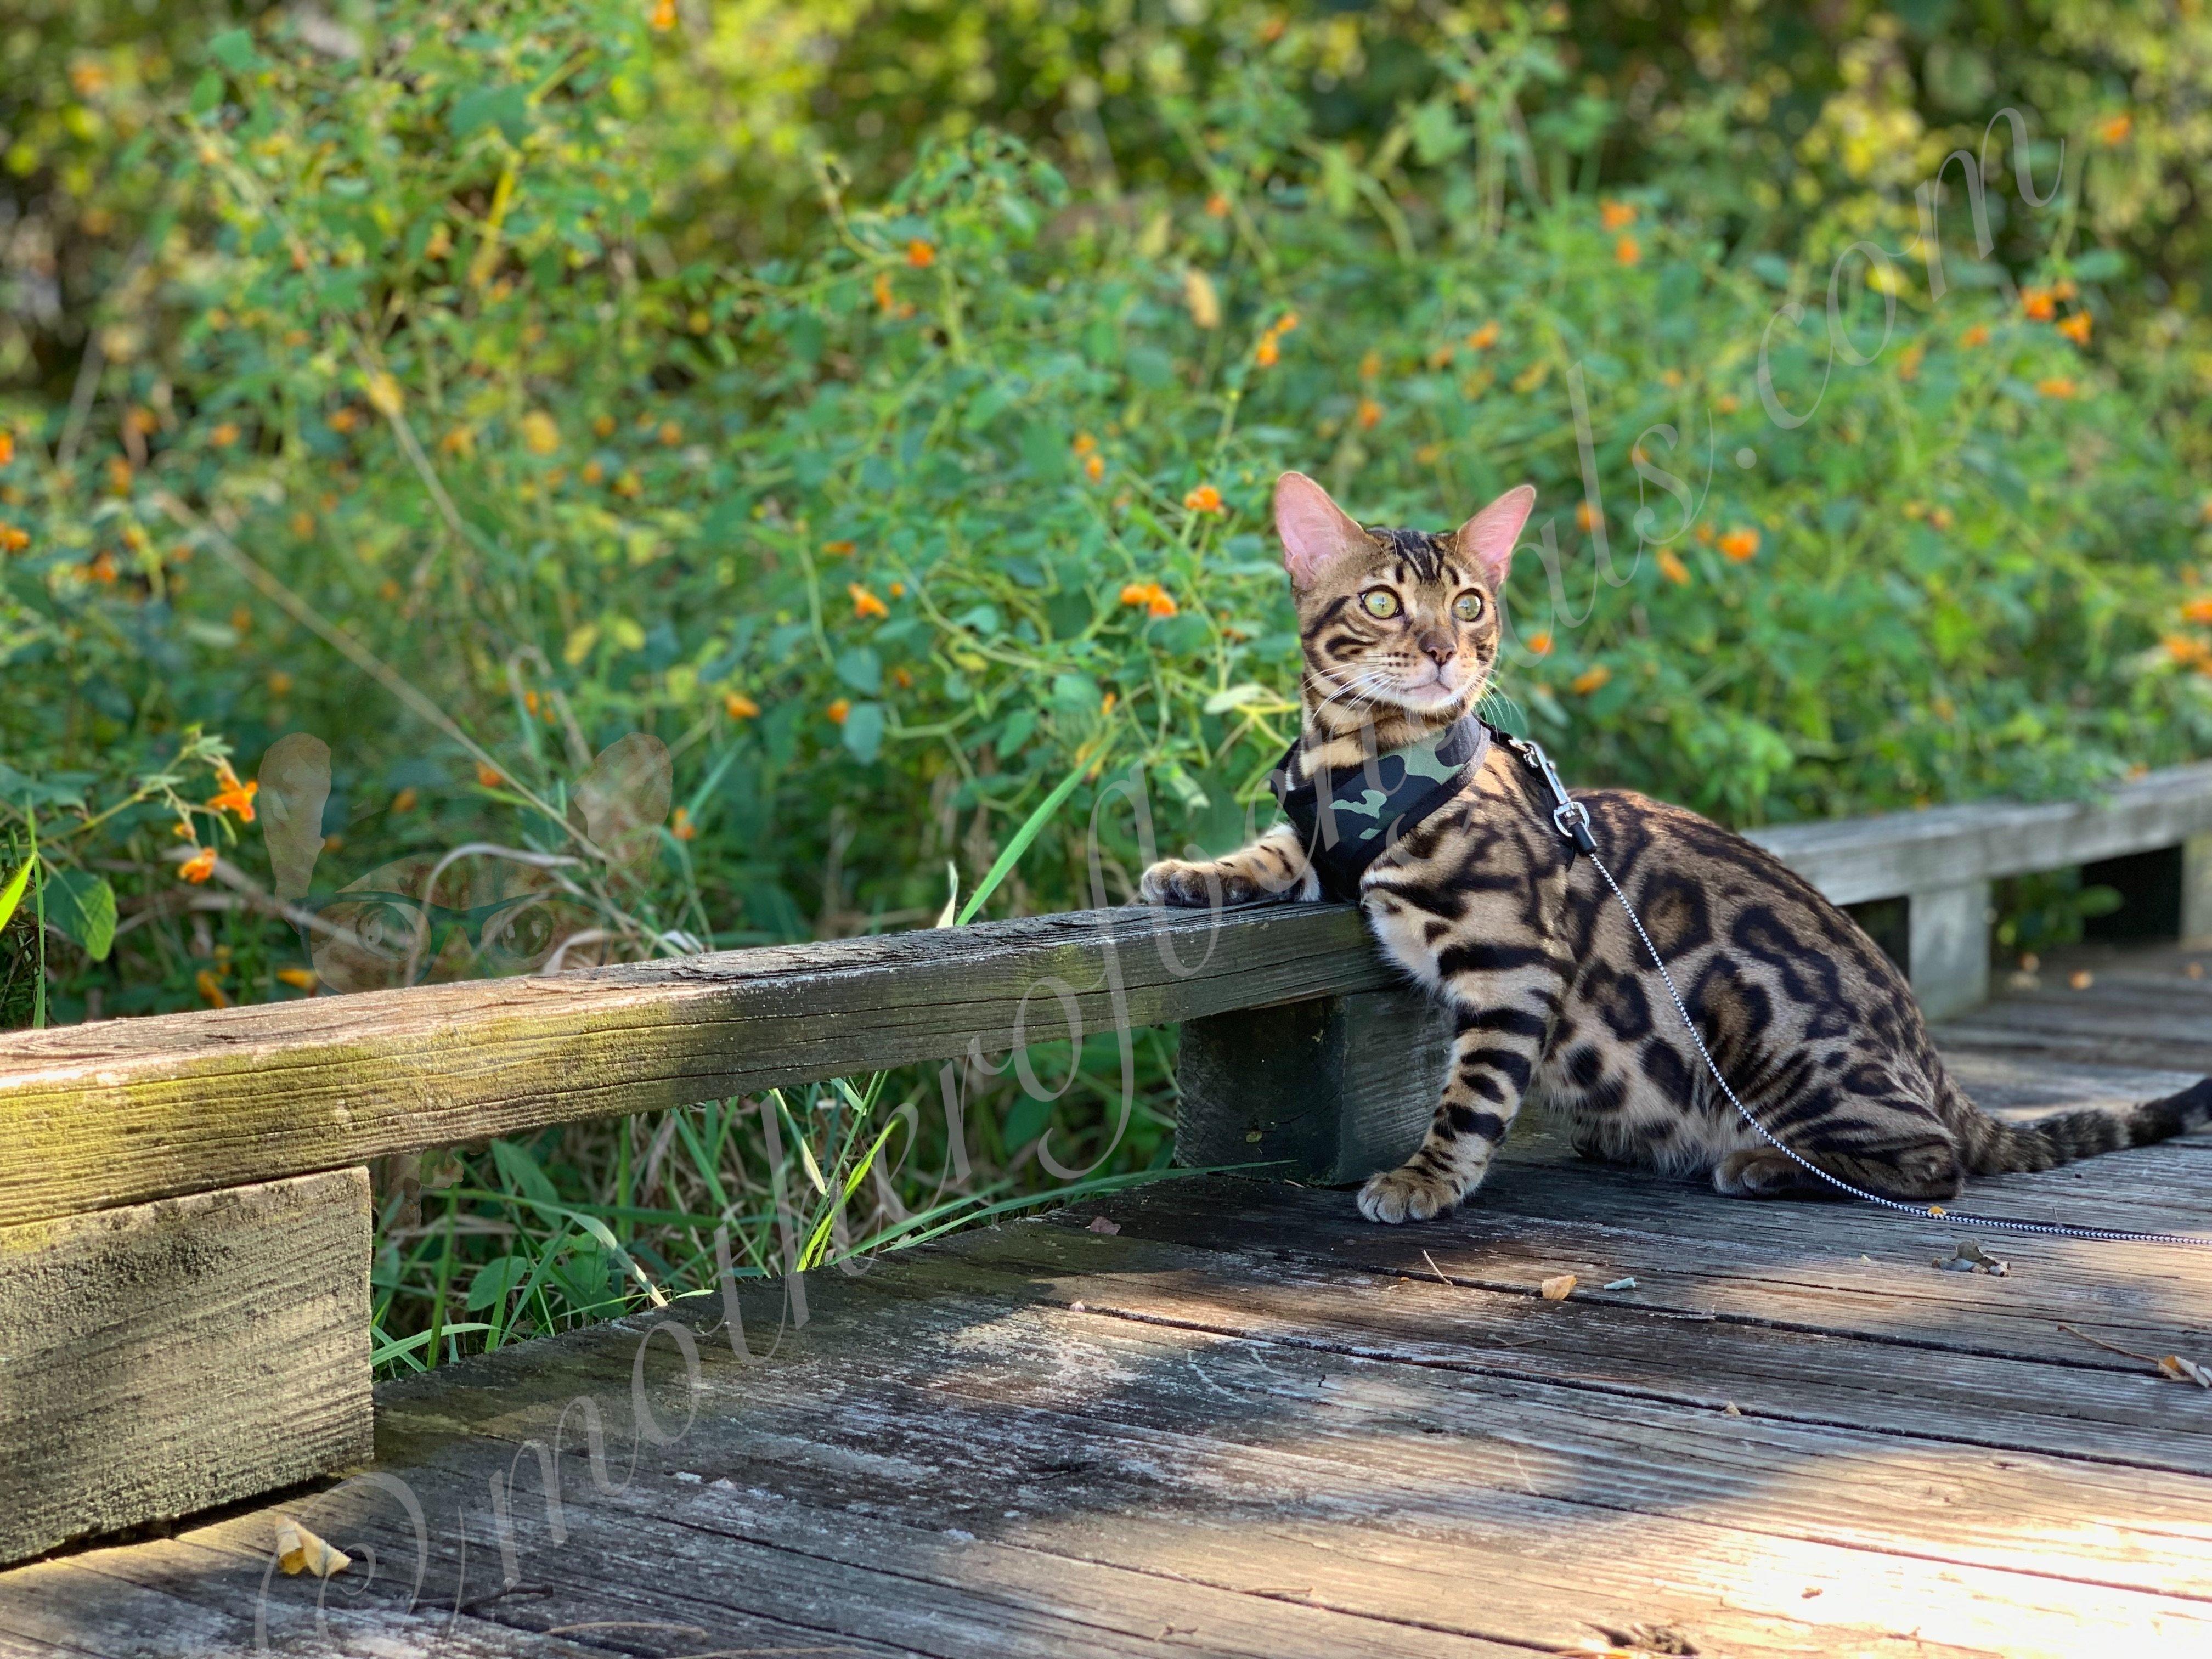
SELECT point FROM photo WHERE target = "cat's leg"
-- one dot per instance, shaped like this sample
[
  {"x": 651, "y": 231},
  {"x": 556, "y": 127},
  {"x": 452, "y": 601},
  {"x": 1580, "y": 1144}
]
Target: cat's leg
[
  {"x": 1494, "y": 1054},
  {"x": 1274, "y": 867},
  {"x": 1878, "y": 1138}
]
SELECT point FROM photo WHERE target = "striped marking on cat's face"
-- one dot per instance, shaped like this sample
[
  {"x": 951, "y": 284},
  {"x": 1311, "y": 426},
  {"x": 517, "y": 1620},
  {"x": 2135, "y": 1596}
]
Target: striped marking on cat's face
[
  {"x": 1412, "y": 625},
  {"x": 1399, "y": 619}
]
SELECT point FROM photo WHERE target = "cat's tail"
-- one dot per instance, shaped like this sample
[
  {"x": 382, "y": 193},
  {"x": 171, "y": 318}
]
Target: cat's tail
[{"x": 1994, "y": 1147}]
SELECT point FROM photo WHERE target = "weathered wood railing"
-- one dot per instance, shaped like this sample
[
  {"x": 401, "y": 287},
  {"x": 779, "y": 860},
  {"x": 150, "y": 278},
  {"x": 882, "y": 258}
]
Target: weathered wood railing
[{"x": 184, "y": 1220}]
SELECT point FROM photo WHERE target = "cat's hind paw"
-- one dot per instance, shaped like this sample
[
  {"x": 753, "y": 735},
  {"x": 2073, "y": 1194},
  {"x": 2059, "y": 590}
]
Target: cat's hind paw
[{"x": 1409, "y": 1194}]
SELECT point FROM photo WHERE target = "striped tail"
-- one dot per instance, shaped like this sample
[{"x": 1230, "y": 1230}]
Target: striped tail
[{"x": 1993, "y": 1147}]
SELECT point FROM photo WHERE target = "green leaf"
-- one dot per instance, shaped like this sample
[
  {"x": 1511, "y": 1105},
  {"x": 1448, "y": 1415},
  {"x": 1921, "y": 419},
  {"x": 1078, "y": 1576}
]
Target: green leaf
[
  {"x": 1032, "y": 827},
  {"x": 864, "y": 730},
  {"x": 506, "y": 108},
  {"x": 862, "y": 669},
  {"x": 82, "y": 906},
  {"x": 233, "y": 50},
  {"x": 496, "y": 1280},
  {"x": 522, "y": 1172},
  {"x": 12, "y": 894},
  {"x": 207, "y": 95}
]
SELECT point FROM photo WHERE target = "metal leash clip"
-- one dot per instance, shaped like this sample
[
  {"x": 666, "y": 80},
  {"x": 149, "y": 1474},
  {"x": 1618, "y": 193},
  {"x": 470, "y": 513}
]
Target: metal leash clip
[{"x": 1568, "y": 815}]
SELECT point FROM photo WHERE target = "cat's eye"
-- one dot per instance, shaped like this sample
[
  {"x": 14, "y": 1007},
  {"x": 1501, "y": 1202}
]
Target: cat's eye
[
  {"x": 1468, "y": 606},
  {"x": 1379, "y": 601}
]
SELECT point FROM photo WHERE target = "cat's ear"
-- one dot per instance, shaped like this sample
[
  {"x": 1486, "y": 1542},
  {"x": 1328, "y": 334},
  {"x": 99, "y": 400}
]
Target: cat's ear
[
  {"x": 1314, "y": 529},
  {"x": 1489, "y": 536}
]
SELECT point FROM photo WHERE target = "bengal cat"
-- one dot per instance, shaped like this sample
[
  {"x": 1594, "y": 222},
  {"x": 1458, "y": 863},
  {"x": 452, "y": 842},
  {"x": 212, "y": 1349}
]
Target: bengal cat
[{"x": 1553, "y": 999}]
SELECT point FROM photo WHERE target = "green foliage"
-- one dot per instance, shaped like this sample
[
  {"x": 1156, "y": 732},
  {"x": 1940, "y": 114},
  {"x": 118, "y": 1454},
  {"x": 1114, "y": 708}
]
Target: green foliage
[{"x": 888, "y": 430}]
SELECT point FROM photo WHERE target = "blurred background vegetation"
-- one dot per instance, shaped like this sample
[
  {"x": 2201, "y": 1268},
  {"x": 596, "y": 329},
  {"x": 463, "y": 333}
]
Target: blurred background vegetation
[{"x": 874, "y": 404}]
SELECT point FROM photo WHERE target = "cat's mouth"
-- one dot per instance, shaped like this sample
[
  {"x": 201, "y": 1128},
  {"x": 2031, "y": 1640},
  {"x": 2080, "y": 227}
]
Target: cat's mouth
[{"x": 1444, "y": 687}]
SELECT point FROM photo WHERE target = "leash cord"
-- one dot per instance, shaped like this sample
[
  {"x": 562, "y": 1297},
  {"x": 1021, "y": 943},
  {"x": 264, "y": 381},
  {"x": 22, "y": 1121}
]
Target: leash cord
[{"x": 1572, "y": 818}]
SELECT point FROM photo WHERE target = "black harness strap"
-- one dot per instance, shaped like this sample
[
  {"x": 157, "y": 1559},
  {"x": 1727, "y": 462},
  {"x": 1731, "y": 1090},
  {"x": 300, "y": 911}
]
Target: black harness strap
[{"x": 1346, "y": 821}]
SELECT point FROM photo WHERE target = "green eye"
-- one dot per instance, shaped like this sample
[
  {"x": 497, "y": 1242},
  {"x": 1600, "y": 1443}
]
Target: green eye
[
  {"x": 1379, "y": 601},
  {"x": 1468, "y": 606}
]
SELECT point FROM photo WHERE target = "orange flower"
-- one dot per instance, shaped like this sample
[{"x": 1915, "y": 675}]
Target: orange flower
[
  {"x": 211, "y": 987},
  {"x": 1590, "y": 680},
  {"x": 681, "y": 826},
  {"x": 1156, "y": 599},
  {"x": 1978, "y": 334},
  {"x": 1267, "y": 353},
  {"x": 1626, "y": 252},
  {"x": 865, "y": 604},
  {"x": 1441, "y": 357},
  {"x": 920, "y": 254},
  {"x": 224, "y": 435},
  {"x": 1740, "y": 544},
  {"x": 2039, "y": 303},
  {"x": 882, "y": 288},
  {"x": 1370, "y": 366},
  {"x": 13, "y": 540},
  {"x": 592, "y": 472},
  {"x": 2197, "y": 611},
  {"x": 1939, "y": 517},
  {"x": 838, "y": 710},
  {"x": 2076, "y": 327},
  {"x": 898, "y": 590},
  {"x": 1908, "y": 361},
  {"x": 837, "y": 549},
  {"x": 1483, "y": 338},
  {"x": 1369, "y": 413},
  {"x": 1728, "y": 402},
  {"x": 1616, "y": 216},
  {"x": 198, "y": 867},
  {"x": 604, "y": 425},
  {"x": 669, "y": 433},
  {"x": 1289, "y": 322},
  {"x": 1085, "y": 443},
  {"x": 489, "y": 775},
  {"x": 1094, "y": 467},
  {"x": 279, "y": 683},
  {"x": 664, "y": 15},
  {"x": 2190, "y": 653},
  {"x": 404, "y": 800},
  {"x": 1217, "y": 206},
  {"x": 1673, "y": 568},
  {"x": 345, "y": 420},
  {"x": 2057, "y": 385},
  {"x": 1585, "y": 517},
  {"x": 1539, "y": 643},
  {"x": 1204, "y": 499},
  {"x": 739, "y": 707},
  {"x": 902, "y": 679},
  {"x": 2115, "y": 128},
  {"x": 233, "y": 796},
  {"x": 6, "y": 446},
  {"x": 2063, "y": 289},
  {"x": 299, "y": 979}
]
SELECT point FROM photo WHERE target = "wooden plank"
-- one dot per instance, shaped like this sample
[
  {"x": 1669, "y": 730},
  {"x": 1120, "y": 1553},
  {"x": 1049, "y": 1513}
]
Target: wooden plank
[
  {"x": 1855, "y": 860},
  {"x": 162, "y": 1358},
  {"x": 1074, "y": 1433},
  {"x": 116, "y": 1113}
]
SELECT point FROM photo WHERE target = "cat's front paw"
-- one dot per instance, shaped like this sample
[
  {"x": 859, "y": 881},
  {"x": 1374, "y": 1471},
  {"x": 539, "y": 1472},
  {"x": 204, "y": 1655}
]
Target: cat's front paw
[
  {"x": 1197, "y": 886},
  {"x": 1407, "y": 1194}
]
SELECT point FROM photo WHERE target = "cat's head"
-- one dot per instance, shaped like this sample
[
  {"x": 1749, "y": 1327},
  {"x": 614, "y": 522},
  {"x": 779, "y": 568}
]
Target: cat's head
[{"x": 1394, "y": 620}]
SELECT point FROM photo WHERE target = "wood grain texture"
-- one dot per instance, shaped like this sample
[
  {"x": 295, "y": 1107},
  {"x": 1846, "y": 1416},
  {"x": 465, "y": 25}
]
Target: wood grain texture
[
  {"x": 158, "y": 1360},
  {"x": 1853, "y": 860},
  {"x": 97, "y": 1115}
]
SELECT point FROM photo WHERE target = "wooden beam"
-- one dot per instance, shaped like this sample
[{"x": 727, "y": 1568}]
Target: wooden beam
[
  {"x": 1859, "y": 859},
  {"x": 162, "y": 1358},
  {"x": 94, "y": 1116}
]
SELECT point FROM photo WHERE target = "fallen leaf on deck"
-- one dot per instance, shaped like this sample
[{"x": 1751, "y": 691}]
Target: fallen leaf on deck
[
  {"x": 2185, "y": 1371},
  {"x": 1730, "y": 1410},
  {"x": 1558, "y": 1287},
  {"x": 299, "y": 1551},
  {"x": 1099, "y": 1224},
  {"x": 1968, "y": 1258},
  {"x": 2081, "y": 979},
  {"x": 1622, "y": 1284}
]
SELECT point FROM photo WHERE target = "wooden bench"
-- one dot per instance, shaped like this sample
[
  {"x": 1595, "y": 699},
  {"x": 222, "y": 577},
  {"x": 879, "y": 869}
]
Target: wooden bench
[{"x": 184, "y": 1216}]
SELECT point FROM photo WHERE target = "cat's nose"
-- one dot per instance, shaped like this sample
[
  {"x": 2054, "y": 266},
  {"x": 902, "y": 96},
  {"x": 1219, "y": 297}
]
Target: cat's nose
[{"x": 1439, "y": 650}]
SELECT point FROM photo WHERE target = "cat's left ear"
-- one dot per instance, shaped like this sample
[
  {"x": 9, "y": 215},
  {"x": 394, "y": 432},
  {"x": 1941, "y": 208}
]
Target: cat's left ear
[{"x": 1489, "y": 536}]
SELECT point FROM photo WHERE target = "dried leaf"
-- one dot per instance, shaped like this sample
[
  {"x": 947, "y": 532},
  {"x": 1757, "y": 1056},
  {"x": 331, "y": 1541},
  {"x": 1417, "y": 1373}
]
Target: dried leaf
[
  {"x": 299, "y": 1550},
  {"x": 2185, "y": 1371},
  {"x": 1558, "y": 1287},
  {"x": 1198, "y": 293},
  {"x": 1100, "y": 1224},
  {"x": 1730, "y": 1409},
  {"x": 1967, "y": 1257}
]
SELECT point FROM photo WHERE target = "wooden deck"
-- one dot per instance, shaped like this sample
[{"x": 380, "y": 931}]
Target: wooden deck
[{"x": 1249, "y": 1423}]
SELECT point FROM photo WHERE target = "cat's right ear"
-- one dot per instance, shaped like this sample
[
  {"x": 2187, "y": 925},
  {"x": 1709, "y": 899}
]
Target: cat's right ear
[{"x": 1315, "y": 531}]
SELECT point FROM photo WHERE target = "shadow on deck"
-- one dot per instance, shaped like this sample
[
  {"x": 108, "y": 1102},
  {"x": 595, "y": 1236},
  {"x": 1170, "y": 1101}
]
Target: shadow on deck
[{"x": 1247, "y": 1424}]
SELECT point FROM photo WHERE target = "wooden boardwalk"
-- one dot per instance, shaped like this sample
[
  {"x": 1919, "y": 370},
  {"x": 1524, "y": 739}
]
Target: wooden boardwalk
[{"x": 1247, "y": 1424}]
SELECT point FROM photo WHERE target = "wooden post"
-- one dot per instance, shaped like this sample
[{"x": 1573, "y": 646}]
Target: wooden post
[
  {"x": 164, "y": 1357},
  {"x": 2196, "y": 889},
  {"x": 1949, "y": 952},
  {"x": 1328, "y": 1090}
]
